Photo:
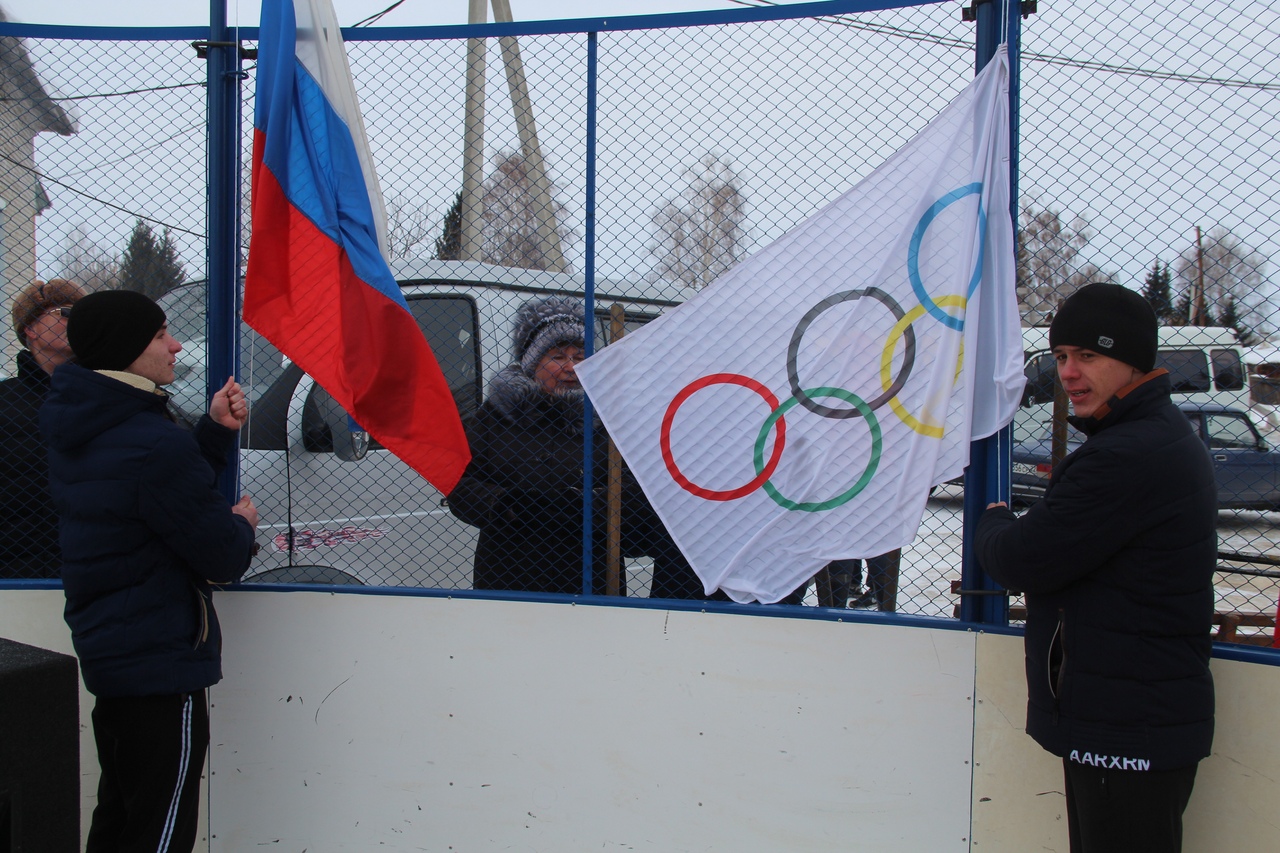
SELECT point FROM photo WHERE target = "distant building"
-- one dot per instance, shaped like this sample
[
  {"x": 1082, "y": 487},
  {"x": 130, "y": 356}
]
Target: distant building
[{"x": 25, "y": 110}]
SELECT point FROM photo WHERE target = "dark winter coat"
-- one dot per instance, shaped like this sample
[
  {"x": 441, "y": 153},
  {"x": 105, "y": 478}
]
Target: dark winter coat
[
  {"x": 28, "y": 523},
  {"x": 1117, "y": 564},
  {"x": 523, "y": 489},
  {"x": 144, "y": 532}
]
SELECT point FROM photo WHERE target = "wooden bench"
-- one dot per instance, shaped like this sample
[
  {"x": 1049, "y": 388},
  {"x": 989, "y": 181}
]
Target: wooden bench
[{"x": 1227, "y": 621}]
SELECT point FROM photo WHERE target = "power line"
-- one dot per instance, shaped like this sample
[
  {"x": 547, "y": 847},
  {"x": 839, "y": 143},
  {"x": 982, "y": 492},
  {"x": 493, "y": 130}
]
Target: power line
[
  {"x": 102, "y": 201},
  {"x": 377, "y": 16},
  {"x": 1048, "y": 59},
  {"x": 136, "y": 152},
  {"x": 199, "y": 85}
]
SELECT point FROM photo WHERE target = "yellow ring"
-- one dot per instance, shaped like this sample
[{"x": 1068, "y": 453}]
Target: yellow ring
[{"x": 886, "y": 363}]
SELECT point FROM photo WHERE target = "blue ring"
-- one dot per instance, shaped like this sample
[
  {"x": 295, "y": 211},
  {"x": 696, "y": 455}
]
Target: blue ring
[{"x": 913, "y": 253}]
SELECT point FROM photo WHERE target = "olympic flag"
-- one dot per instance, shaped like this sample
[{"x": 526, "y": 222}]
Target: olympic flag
[
  {"x": 799, "y": 408},
  {"x": 318, "y": 285}
]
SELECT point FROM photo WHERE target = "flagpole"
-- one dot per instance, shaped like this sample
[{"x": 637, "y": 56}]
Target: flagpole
[
  {"x": 986, "y": 480},
  {"x": 222, "y": 245}
]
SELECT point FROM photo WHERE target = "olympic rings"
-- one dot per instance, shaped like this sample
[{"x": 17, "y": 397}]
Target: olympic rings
[
  {"x": 793, "y": 353},
  {"x": 763, "y": 471},
  {"x": 891, "y": 385},
  {"x": 886, "y": 361},
  {"x": 913, "y": 254},
  {"x": 877, "y": 447}
]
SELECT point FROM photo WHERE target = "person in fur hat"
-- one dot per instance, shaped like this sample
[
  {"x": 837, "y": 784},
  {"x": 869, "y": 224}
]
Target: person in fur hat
[
  {"x": 523, "y": 487},
  {"x": 28, "y": 522}
]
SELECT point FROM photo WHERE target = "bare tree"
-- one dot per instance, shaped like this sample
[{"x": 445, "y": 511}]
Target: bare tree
[
  {"x": 407, "y": 228},
  {"x": 1048, "y": 261},
  {"x": 88, "y": 264},
  {"x": 510, "y": 216},
  {"x": 700, "y": 234},
  {"x": 1232, "y": 284}
]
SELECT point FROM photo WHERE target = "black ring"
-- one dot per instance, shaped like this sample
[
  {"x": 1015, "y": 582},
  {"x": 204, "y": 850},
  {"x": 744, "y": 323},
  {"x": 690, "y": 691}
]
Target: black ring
[{"x": 793, "y": 352}]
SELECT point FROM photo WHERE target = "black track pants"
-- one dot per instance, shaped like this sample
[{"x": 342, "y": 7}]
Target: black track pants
[
  {"x": 151, "y": 750},
  {"x": 1126, "y": 811}
]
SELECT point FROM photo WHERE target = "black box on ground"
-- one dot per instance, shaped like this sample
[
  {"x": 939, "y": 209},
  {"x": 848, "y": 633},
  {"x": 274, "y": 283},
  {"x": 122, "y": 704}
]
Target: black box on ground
[{"x": 39, "y": 750}]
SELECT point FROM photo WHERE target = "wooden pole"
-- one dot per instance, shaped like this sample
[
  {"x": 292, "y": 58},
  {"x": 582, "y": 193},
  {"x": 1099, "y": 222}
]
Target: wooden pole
[
  {"x": 473, "y": 137},
  {"x": 530, "y": 148},
  {"x": 1198, "y": 308},
  {"x": 613, "y": 497}
]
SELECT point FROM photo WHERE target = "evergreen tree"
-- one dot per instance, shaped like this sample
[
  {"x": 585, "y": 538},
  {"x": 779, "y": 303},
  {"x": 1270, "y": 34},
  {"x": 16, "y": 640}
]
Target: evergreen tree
[
  {"x": 1228, "y": 319},
  {"x": 449, "y": 243},
  {"x": 150, "y": 266},
  {"x": 1157, "y": 291}
]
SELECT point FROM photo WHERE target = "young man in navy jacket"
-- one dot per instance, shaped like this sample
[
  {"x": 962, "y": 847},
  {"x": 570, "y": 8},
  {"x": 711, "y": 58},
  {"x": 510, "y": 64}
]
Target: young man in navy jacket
[
  {"x": 1117, "y": 565},
  {"x": 144, "y": 533}
]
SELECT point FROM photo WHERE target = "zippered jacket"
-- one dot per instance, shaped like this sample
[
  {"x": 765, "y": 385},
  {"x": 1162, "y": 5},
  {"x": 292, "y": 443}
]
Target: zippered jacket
[
  {"x": 1117, "y": 564},
  {"x": 144, "y": 531},
  {"x": 28, "y": 524}
]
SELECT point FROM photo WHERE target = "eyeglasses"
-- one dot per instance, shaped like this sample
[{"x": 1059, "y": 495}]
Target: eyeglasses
[{"x": 64, "y": 312}]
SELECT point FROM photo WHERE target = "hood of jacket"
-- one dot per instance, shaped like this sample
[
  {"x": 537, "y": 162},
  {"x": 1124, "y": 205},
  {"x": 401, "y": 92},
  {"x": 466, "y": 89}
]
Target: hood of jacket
[
  {"x": 83, "y": 404},
  {"x": 514, "y": 396},
  {"x": 31, "y": 373}
]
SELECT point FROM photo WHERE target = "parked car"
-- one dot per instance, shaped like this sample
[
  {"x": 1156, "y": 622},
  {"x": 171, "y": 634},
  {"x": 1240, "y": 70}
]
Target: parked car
[{"x": 1247, "y": 470}]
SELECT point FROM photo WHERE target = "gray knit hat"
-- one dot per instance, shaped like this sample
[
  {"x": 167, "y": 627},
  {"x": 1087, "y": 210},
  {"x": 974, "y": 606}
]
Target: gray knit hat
[{"x": 543, "y": 323}]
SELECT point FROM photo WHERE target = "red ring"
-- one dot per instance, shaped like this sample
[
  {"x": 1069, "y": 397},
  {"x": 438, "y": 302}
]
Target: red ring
[{"x": 688, "y": 391}]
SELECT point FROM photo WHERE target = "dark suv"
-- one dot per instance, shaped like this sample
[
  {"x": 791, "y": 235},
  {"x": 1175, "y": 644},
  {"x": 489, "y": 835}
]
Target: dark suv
[{"x": 1247, "y": 470}]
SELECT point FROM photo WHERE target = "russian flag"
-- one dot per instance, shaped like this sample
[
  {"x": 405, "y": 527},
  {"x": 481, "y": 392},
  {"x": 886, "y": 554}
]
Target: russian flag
[{"x": 318, "y": 285}]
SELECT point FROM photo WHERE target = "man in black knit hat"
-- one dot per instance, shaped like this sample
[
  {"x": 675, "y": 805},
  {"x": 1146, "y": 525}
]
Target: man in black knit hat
[
  {"x": 1117, "y": 565},
  {"x": 144, "y": 532}
]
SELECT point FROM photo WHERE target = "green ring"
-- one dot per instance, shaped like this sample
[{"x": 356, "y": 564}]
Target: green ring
[{"x": 877, "y": 446}]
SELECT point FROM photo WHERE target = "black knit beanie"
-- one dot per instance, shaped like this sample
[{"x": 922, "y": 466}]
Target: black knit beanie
[
  {"x": 109, "y": 329},
  {"x": 1110, "y": 320},
  {"x": 543, "y": 323}
]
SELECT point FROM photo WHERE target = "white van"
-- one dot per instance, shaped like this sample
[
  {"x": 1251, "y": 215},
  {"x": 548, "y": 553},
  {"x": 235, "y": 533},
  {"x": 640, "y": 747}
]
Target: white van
[
  {"x": 332, "y": 514},
  {"x": 1205, "y": 364}
]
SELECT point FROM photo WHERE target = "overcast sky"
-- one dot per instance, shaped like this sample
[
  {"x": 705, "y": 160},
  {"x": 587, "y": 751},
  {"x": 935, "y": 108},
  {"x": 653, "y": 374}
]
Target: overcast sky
[{"x": 152, "y": 13}]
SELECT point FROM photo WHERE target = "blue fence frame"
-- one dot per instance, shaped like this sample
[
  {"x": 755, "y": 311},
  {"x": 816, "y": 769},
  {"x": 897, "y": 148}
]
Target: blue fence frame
[{"x": 997, "y": 22}]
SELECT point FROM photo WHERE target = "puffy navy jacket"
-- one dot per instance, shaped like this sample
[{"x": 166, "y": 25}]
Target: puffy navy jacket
[
  {"x": 143, "y": 530},
  {"x": 1117, "y": 565}
]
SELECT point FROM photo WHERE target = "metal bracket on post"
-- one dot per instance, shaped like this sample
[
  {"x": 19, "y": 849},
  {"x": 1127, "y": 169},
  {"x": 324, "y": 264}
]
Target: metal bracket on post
[
  {"x": 202, "y": 49},
  {"x": 970, "y": 13}
]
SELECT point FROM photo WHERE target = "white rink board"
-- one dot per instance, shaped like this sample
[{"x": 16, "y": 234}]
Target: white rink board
[
  {"x": 344, "y": 719},
  {"x": 359, "y": 723}
]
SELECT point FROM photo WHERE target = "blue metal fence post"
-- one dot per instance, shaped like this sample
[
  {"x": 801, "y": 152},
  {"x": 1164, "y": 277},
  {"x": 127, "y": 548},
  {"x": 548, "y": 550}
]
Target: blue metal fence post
[
  {"x": 223, "y": 212},
  {"x": 589, "y": 309},
  {"x": 998, "y": 21}
]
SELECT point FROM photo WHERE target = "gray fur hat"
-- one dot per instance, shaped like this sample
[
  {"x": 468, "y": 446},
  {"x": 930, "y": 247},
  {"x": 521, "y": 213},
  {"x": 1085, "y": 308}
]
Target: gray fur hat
[{"x": 543, "y": 323}]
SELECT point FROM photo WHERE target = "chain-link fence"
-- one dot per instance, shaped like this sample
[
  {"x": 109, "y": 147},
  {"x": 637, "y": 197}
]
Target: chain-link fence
[
  {"x": 707, "y": 144},
  {"x": 1148, "y": 158}
]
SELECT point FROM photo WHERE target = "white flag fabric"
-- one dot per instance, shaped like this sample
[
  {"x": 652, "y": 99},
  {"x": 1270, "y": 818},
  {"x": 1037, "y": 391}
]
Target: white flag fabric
[{"x": 800, "y": 407}]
